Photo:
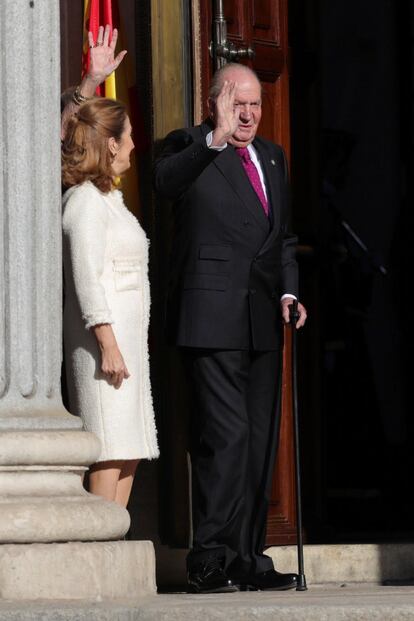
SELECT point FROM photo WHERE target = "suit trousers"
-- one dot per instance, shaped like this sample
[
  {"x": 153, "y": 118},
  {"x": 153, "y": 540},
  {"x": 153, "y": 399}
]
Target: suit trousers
[{"x": 235, "y": 425}]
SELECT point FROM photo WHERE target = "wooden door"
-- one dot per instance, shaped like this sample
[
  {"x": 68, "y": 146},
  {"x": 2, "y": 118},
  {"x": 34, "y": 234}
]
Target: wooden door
[{"x": 262, "y": 25}]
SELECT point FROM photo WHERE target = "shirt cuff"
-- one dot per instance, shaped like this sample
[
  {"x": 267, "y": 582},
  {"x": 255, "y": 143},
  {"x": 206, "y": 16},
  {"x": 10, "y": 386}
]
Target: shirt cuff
[
  {"x": 288, "y": 295},
  {"x": 209, "y": 140}
]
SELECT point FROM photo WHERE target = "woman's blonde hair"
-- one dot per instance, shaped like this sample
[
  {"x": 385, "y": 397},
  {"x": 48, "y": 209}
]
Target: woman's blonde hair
[{"x": 85, "y": 151}]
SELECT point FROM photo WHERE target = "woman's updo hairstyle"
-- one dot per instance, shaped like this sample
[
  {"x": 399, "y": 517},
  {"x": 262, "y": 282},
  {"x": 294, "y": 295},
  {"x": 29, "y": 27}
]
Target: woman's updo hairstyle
[{"x": 85, "y": 151}]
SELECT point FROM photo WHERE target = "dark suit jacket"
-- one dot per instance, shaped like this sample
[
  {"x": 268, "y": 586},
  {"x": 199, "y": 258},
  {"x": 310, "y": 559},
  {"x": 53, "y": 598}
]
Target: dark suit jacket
[{"x": 230, "y": 264}]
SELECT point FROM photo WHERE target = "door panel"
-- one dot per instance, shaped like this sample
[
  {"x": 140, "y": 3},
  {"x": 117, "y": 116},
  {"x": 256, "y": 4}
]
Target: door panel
[{"x": 235, "y": 20}]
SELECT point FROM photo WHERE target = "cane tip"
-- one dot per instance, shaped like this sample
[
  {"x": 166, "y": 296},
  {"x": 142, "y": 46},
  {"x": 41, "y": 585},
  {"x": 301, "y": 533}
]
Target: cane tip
[{"x": 301, "y": 583}]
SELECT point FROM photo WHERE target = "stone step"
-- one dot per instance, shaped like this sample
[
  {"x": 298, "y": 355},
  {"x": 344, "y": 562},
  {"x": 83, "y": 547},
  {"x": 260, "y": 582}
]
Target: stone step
[
  {"x": 323, "y": 563},
  {"x": 77, "y": 570},
  {"x": 349, "y": 563},
  {"x": 320, "y": 603}
]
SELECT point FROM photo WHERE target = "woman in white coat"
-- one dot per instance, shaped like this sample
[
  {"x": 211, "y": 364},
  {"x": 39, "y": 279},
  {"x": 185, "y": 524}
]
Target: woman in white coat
[{"x": 106, "y": 313}]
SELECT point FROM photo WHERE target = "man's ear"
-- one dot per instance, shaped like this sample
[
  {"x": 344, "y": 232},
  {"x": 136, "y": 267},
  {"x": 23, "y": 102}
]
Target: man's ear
[{"x": 113, "y": 146}]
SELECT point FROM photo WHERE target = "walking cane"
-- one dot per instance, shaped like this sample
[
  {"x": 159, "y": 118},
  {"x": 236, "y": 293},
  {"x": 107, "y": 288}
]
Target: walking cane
[{"x": 294, "y": 316}]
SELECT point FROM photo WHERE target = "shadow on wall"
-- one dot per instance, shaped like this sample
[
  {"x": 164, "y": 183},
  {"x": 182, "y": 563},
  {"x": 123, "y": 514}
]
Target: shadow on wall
[{"x": 144, "y": 510}]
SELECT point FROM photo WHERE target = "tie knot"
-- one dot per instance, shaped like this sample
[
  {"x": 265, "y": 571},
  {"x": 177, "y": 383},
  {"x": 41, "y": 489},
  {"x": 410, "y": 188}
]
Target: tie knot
[{"x": 243, "y": 153}]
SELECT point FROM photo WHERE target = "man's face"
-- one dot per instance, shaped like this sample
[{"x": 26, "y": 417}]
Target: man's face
[{"x": 248, "y": 103}]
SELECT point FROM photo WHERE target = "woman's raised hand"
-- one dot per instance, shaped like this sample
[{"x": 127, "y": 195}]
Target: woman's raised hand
[{"x": 102, "y": 54}]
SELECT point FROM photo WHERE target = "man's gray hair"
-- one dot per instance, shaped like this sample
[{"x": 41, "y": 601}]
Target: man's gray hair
[{"x": 220, "y": 75}]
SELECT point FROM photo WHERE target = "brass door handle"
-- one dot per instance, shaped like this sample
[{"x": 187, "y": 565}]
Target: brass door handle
[
  {"x": 222, "y": 50},
  {"x": 230, "y": 52}
]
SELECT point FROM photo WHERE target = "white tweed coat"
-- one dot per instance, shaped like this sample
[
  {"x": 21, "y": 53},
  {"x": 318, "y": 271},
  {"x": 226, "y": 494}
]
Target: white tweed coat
[{"x": 105, "y": 257}]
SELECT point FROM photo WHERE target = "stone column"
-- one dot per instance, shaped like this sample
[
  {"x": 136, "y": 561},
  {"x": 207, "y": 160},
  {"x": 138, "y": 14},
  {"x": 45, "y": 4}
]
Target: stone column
[{"x": 43, "y": 449}]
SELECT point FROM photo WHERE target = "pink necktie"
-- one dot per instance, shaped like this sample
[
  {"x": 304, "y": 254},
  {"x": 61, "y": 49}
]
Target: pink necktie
[{"x": 252, "y": 173}]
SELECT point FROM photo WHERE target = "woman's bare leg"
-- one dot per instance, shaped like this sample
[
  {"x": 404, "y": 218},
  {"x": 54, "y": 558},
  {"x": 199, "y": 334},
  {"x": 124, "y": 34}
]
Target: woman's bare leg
[
  {"x": 104, "y": 477},
  {"x": 125, "y": 481}
]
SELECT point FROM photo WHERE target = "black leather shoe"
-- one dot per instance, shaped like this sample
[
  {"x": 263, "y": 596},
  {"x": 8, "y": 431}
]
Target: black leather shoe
[
  {"x": 271, "y": 580},
  {"x": 210, "y": 577}
]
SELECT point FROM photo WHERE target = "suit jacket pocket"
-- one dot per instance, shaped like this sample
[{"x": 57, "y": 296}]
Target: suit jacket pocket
[
  {"x": 128, "y": 274},
  {"x": 211, "y": 282}
]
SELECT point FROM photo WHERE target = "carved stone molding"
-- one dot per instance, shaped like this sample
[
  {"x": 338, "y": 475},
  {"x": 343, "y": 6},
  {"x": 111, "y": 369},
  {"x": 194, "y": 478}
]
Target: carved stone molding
[{"x": 30, "y": 198}]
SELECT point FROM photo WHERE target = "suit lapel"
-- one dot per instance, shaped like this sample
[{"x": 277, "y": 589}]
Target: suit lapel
[
  {"x": 271, "y": 171},
  {"x": 231, "y": 167}
]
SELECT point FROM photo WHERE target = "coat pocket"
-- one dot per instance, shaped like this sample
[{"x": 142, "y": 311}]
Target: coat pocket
[{"x": 128, "y": 274}]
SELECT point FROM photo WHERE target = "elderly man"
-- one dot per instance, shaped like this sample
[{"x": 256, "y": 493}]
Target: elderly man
[{"x": 233, "y": 276}]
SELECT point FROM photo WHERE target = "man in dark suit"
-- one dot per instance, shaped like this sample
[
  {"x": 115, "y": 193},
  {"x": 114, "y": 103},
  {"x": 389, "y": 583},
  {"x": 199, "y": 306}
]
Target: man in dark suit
[{"x": 233, "y": 276}]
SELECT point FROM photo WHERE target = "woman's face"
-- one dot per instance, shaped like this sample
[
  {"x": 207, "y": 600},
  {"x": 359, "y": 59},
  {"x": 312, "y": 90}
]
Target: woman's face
[{"x": 124, "y": 147}]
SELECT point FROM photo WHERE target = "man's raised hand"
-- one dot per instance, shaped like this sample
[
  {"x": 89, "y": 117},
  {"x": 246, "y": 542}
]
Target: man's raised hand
[{"x": 225, "y": 116}]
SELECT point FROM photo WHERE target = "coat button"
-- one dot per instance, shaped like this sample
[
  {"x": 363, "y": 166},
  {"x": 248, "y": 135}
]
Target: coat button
[
  {"x": 245, "y": 222},
  {"x": 252, "y": 291}
]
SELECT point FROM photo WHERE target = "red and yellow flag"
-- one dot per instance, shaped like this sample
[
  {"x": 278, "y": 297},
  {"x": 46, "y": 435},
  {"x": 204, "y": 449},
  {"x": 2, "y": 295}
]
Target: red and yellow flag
[{"x": 92, "y": 12}]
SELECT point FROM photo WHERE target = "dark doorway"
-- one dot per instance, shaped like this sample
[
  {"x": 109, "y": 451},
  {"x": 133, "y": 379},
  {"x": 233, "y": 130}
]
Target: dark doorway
[{"x": 352, "y": 184}]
